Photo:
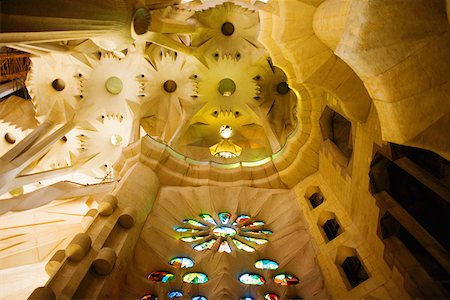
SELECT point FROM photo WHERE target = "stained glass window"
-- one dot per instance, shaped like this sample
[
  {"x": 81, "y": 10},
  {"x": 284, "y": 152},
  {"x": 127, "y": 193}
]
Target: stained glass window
[
  {"x": 161, "y": 276},
  {"x": 181, "y": 262},
  {"x": 175, "y": 294},
  {"x": 271, "y": 296},
  {"x": 199, "y": 298},
  {"x": 241, "y": 220},
  {"x": 255, "y": 240},
  {"x": 149, "y": 297},
  {"x": 285, "y": 279},
  {"x": 247, "y": 298},
  {"x": 224, "y": 217},
  {"x": 252, "y": 279},
  {"x": 208, "y": 219},
  {"x": 195, "y": 278},
  {"x": 205, "y": 245},
  {"x": 224, "y": 231},
  {"x": 224, "y": 247},
  {"x": 266, "y": 264},
  {"x": 221, "y": 227},
  {"x": 194, "y": 223}
]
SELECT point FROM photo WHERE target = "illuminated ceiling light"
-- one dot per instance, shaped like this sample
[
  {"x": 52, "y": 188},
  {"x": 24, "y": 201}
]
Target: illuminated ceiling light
[
  {"x": 114, "y": 85},
  {"x": 116, "y": 140},
  {"x": 170, "y": 86},
  {"x": 226, "y": 131},
  {"x": 227, "y": 28},
  {"x": 225, "y": 149},
  {"x": 227, "y": 87}
]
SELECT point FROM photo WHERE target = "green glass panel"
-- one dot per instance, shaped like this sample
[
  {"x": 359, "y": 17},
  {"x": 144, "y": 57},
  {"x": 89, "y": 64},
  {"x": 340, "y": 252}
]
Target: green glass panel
[
  {"x": 205, "y": 245},
  {"x": 285, "y": 279},
  {"x": 242, "y": 246},
  {"x": 181, "y": 262},
  {"x": 224, "y": 231},
  {"x": 266, "y": 264},
  {"x": 195, "y": 278},
  {"x": 189, "y": 230},
  {"x": 194, "y": 223},
  {"x": 255, "y": 240},
  {"x": 208, "y": 219},
  {"x": 252, "y": 279},
  {"x": 224, "y": 217}
]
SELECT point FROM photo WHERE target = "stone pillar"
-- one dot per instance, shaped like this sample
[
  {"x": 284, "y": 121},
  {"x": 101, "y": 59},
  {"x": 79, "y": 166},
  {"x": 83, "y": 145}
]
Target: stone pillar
[
  {"x": 114, "y": 232},
  {"x": 108, "y": 23}
]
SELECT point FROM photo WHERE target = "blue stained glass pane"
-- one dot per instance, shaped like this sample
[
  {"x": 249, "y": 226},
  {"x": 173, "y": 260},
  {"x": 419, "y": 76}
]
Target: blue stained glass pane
[
  {"x": 175, "y": 294},
  {"x": 205, "y": 245},
  {"x": 266, "y": 264},
  {"x": 247, "y": 298},
  {"x": 224, "y": 217},
  {"x": 199, "y": 298},
  {"x": 255, "y": 240}
]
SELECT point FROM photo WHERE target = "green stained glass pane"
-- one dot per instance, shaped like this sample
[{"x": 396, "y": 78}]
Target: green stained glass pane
[
  {"x": 271, "y": 296},
  {"x": 205, "y": 245},
  {"x": 190, "y": 239},
  {"x": 241, "y": 219},
  {"x": 194, "y": 223},
  {"x": 252, "y": 279},
  {"x": 181, "y": 262},
  {"x": 257, "y": 231},
  {"x": 224, "y": 217},
  {"x": 285, "y": 279},
  {"x": 254, "y": 225},
  {"x": 195, "y": 278},
  {"x": 189, "y": 230},
  {"x": 265, "y": 231},
  {"x": 224, "y": 247},
  {"x": 161, "y": 276},
  {"x": 242, "y": 246},
  {"x": 266, "y": 264},
  {"x": 255, "y": 240},
  {"x": 208, "y": 219},
  {"x": 224, "y": 231}
]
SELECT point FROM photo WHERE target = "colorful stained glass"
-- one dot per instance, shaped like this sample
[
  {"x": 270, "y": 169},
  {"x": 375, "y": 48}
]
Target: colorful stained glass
[
  {"x": 252, "y": 279},
  {"x": 264, "y": 231},
  {"x": 208, "y": 219},
  {"x": 224, "y": 231},
  {"x": 149, "y": 297},
  {"x": 254, "y": 225},
  {"x": 181, "y": 262},
  {"x": 190, "y": 239},
  {"x": 285, "y": 279},
  {"x": 255, "y": 240},
  {"x": 247, "y": 298},
  {"x": 242, "y": 246},
  {"x": 199, "y": 298},
  {"x": 195, "y": 278},
  {"x": 271, "y": 296},
  {"x": 194, "y": 223},
  {"x": 241, "y": 220},
  {"x": 175, "y": 294},
  {"x": 189, "y": 230},
  {"x": 161, "y": 276},
  {"x": 205, "y": 245},
  {"x": 266, "y": 264},
  {"x": 224, "y": 247},
  {"x": 224, "y": 217}
]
